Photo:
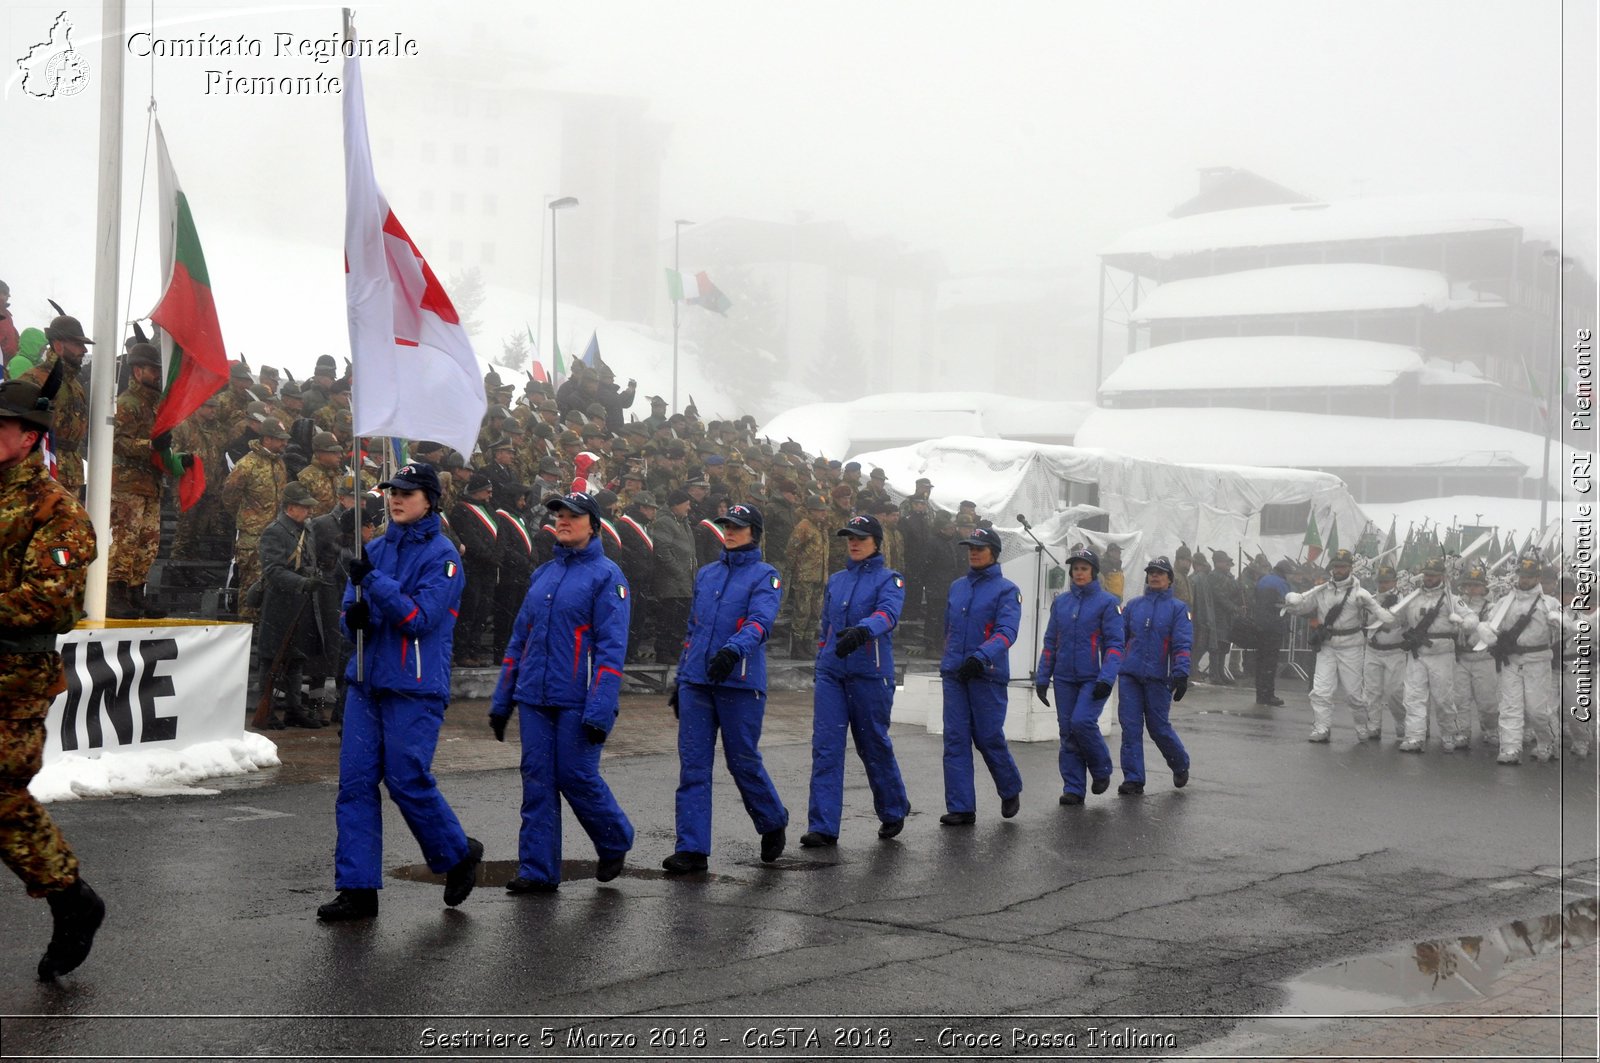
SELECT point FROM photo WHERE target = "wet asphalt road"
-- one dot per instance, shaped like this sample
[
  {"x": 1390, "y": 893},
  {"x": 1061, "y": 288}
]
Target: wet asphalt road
[{"x": 1280, "y": 856}]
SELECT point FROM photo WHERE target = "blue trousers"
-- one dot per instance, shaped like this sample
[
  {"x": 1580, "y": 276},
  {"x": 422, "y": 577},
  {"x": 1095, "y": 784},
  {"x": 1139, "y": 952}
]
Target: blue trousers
[
  {"x": 975, "y": 715},
  {"x": 559, "y": 761},
  {"x": 703, "y": 710},
  {"x": 1082, "y": 746},
  {"x": 861, "y": 706},
  {"x": 1145, "y": 703},
  {"x": 390, "y": 737}
]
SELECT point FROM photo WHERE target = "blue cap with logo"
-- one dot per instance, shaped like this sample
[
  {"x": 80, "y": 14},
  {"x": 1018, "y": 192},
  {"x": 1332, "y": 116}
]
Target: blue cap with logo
[
  {"x": 984, "y": 537},
  {"x": 416, "y": 476},
  {"x": 863, "y": 526},
  {"x": 740, "y": 516},
  {"x": 1159, "y": 564},
  {"x": 575, "y": 502}
]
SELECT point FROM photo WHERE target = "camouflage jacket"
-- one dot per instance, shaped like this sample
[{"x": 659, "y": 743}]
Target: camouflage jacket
[
  {"x": 133, "y": 472},
  {"x": 71, "y": 425},
  {"x": 808, "y": 555},
  {"x": 254, "y": 491},
  {"x": 209, "y": 443},
  {"x": 323, "y": 483},
  {"x": 46, "y": 545}
]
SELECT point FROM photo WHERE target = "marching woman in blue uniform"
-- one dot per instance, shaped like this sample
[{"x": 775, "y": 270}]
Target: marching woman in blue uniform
[
  {"x": 980, "y": 625},
  {"x": 410, "y": 582},
  {"x": 1082, "y": 651},
  {"x": 722, "y": 686},
  {"x": 1155, "y": 673},
  {"x": 855, "y": 686},
  {"x": 562, "y": 672}
]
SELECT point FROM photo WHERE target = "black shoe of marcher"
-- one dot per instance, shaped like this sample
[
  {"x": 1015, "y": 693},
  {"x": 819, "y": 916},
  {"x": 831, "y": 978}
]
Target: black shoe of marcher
[
  {"x": 815, "y": 839},
  {"x": 772, "y": 844},
  {"x": 459, "y": 880},
  {"x": 1276, "y": 703},
  {"x": 1011, "y": 806},
  {"x": 958, "y": 819},
  {"x": 891, "y": 828},
  {"x": 1180, "y": 779},
  {"x": 350, "y": 904},
  {"x": 1130, "y": 788},
  {"x": 1100, "y": 786},
  {"x": 77, "y": 912},
  {"x": 528, "y": 885},
  {"x": 1070, "y": 799},
  {"x": 684, "y": 863},
  {"x": 608, "y": 869}
]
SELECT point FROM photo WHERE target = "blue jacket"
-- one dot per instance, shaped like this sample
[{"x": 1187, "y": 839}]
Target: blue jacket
[
  {"x": 1083, "y": 640},
  {"x": 1160, "y": 635},
  {"x": 869, "y": 594},
  {"x": 570, "y": 637},
  {"x": 736, "y": 601},
  {"x": 411, "y": 593},
  {"x": 980, "y": 620}
]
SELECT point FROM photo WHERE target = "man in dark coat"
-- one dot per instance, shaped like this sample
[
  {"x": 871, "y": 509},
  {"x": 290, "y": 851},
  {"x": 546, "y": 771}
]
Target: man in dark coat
[
  {"x": 515, "y": 543},
  {"x": 289, "y": 624},
  {"x": 1227, "y": 603},
  {"x": 672, "y": 585},
  {"x": 1271, "y": 626},
  {"x": 473, "y": 522},
  {"x": 637, "y": 562}
]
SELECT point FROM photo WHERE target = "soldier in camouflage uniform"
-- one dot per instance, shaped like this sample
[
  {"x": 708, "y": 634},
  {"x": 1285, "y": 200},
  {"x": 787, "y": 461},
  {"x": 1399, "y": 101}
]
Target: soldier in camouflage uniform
[
  {"x": 71, "y": 428},
  {"x": 237, "y": 398},
  {"x": 135, "y": 487},
  {"x": 322, "y": 476},
  {"x": 839, "y": 515},
  {"x": 253, "y": 494},
  {"x": 335, "y": 416},
  {"x": 46, "y": 545},
  {"x": 204, "y": 434},
  {"x": 314, "y": 396},
  {"x": 808, "y": 577}
]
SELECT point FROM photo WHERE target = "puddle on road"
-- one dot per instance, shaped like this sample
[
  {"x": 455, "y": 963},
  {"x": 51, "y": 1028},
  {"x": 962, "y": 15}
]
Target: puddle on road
[{"x": 1441, "y": 971}]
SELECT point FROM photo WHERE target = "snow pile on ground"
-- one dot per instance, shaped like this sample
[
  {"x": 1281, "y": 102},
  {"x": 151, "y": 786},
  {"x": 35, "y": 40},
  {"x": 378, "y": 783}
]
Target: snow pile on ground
[
  {"x": 842, "y": 429},
  {"x": 152, "y": 772},
  {"x": 1335, "y": 287}
]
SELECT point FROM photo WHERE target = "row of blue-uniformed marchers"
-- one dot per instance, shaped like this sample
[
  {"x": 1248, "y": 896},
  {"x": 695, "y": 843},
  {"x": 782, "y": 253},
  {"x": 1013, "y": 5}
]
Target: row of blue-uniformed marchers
[{"x": 562, "y": 673}]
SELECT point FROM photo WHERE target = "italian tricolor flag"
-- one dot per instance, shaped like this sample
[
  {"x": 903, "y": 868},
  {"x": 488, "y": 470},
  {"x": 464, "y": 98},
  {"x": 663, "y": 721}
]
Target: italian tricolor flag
[
  {"x": 192, "y": 350},
  {"x": 696, "y": 289}
]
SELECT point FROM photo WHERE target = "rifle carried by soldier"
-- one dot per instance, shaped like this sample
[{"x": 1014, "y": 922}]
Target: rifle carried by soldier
[
  {"x": 1319, "y": 633},
  {"x": 1416, "y": 636},
  {"x": 1505, "y": 642}
]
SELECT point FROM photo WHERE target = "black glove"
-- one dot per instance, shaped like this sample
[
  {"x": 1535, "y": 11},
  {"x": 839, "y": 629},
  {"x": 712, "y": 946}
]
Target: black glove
[
  {"x": 595, "y": 735},
  {"x": 672, "y": 700},
  {"x": 1101, "y": 691},
  {"x": 971, "y": 668},
  {"x": 721, "y": 665},
  {"x": 359, "y": 567},
  {"x": 161, "y": 443},
  {"x": 312, "y": 584},
  {"x": 850, "y": 640},
  {"x": 1044, "y": 693},
  {"x": 1388, "y": 600},
  {"x": 497, "y": 724},
  {"x": 186, "y": 460},
  {"x": 1180, "y": 687},
  {"x": 358, "y": 617}
]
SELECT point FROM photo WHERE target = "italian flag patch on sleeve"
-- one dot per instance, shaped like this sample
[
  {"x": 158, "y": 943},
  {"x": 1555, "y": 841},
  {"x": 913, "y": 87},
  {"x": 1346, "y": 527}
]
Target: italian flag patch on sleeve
[
  {"x": 622, "y": 590},
  {"x": 61, "y": 556},
  {"x": 450, "y": 569},
  {"x": 898, "y": 582},
  {"x": 776, "y": 582}
]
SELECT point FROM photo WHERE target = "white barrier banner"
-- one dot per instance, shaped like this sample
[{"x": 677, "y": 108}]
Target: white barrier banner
[{"x": 139, "y": 686}]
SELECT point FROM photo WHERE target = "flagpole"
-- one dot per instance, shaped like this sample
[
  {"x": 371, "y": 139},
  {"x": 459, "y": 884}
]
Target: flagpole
[
  {"x": 103, "y": 374},
  {"x": 677, "y": 239},
  {"x": 555, "y": 333},
  {"x": 355, "y": 441},
  {"x": 540, "y": 331}
]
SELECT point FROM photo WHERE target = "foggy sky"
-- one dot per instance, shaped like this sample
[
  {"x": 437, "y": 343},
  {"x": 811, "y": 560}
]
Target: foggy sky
[{"x": 1001, "y": 135}]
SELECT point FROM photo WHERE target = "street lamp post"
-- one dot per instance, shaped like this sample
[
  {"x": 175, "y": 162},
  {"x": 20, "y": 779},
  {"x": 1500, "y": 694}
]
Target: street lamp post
[
  {"x": 564, "y": 203},
  {"x": 677, "y": 230}
]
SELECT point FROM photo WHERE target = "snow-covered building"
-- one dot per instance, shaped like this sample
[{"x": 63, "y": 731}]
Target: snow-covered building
[
  {"x": 878, "y": 422},
  {"x": 1407, "y": 327}
]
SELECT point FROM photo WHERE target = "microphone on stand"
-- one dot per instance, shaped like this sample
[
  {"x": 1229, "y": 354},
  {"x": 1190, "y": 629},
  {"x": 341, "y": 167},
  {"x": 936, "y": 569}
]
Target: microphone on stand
[{"x": 1023, "y": 521}]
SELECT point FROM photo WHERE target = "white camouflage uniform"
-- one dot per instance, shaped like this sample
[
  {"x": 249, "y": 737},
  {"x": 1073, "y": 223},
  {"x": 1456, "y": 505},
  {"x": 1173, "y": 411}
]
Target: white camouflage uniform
[
  {"x": 1384, "y": 679},
  {"x": 1477, "y": 679},
  {"x": 1580, "y": 733},
  {"x": 1430, "y": 672},
  {"x": 1343, "y": 655},
  {"x": 1526, "y": 692}
]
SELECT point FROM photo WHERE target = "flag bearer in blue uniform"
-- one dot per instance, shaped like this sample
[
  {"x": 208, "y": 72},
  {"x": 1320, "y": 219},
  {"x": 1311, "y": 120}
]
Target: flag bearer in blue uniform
[
  {"x": 1082, "y": 651},
  {"x": 1155, "y": 673},
  {"x": 855, "y": 686},
  {"x": 722, "y": 686},
  {"x": 410, "y": 582},
  {"x": 980, "y": 625},
  {"x": 562, "y": 672}
]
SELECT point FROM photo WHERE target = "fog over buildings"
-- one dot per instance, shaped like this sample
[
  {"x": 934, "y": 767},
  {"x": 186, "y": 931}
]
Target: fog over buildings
[{"x": 896, "y": 196}]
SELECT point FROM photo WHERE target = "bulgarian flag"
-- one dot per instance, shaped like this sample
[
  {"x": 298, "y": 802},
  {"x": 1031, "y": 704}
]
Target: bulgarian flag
[
  {"x": 192, "y": 351},
  {"x": 414, "y": 374},
  {"x": 696, "y": 290}
]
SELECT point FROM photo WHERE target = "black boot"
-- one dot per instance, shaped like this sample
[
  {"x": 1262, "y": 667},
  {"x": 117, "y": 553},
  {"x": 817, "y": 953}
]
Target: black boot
[
  {"x": 295, "y": 711},
  {"x": 78, "y": 912},
  {"x": 118, "y": 604},
  {"x": 460, "y": 880},
  {"x": 350, "y": 904}
]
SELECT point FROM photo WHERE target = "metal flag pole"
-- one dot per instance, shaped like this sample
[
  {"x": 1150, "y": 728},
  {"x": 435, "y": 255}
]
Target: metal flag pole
[{"x": 359, "y": 549}]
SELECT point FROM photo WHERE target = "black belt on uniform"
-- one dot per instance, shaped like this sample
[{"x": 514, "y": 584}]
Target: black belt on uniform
[
  {"x": 1528, "y": 649},
  {"x": 1343, "y": 631},
  {"x": 42, "y": 642}
]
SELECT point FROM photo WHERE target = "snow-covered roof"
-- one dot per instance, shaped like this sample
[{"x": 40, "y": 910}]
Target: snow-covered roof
[
  {"x": 1437, "y": 372},
  {"x": 1315, "y": 441},
  {"x": 839, "y": 429},
  {"x": 1332, "y": 287},
  {"x": 1352, "y": 219},
  {"x": 1239, "y": 362}
]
